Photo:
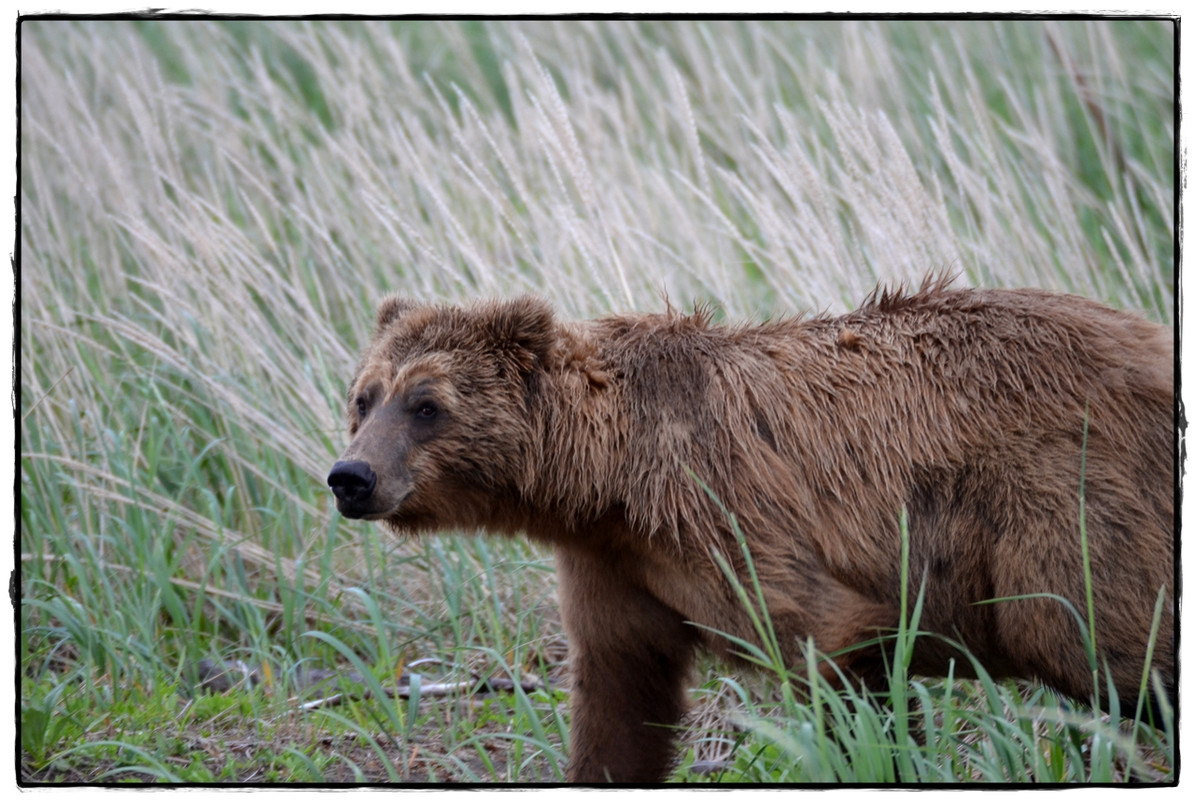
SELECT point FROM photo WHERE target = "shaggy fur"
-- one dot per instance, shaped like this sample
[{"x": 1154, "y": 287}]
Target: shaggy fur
[{"x": 965, "y": 407}]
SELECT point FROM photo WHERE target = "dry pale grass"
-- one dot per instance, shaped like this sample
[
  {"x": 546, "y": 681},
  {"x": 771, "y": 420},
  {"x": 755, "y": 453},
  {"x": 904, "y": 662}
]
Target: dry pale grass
[{"x": 227, "y": 203}]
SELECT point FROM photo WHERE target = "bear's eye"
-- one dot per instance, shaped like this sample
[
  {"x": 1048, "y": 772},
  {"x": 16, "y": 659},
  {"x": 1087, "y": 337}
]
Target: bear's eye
[
  {"x": 362, "y": 407},
  {"x": 426, "y": 410}
]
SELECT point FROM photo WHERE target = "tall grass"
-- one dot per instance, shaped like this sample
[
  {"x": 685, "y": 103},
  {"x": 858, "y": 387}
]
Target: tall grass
[
  {"x": 793, "y": 725},
  {"x": 210, "y": 210}
]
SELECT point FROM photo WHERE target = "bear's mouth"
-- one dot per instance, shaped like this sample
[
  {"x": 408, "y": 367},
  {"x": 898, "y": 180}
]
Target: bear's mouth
[
  {"x": 353, "y": 512},
  {"x": 368, "y": 511}
]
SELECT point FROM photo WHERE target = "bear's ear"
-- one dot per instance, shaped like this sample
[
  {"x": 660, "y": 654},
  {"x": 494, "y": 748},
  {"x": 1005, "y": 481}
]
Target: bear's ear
[
  {"x": 392, "y": 308},
  {"x": 524, "y": 326}
]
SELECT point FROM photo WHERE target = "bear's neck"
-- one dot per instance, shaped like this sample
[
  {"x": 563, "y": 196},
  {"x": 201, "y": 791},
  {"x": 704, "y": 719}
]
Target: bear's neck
[{"x": 578, "y": 441}]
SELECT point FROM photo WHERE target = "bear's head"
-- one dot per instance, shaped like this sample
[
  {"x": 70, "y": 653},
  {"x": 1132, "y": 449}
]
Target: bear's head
[{"x": 439, "y": 414}]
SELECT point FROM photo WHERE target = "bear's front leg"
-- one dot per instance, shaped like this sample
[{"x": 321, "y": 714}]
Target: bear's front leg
[{"x": 629, "y": 655}]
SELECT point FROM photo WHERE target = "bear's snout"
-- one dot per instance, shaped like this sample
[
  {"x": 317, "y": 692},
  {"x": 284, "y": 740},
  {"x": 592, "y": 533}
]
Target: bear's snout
[{"x": 353, "y": 483}]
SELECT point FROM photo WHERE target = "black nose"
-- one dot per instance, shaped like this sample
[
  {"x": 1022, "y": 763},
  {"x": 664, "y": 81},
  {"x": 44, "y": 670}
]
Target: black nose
[{"x": 352, "y": 482}]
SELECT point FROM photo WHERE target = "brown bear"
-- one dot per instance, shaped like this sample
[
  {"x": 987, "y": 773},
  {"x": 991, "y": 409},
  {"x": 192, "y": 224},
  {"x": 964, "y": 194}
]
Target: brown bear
[{"x": 985, "y": 414}]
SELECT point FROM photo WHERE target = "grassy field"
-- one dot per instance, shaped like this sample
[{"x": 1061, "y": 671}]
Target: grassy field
[{"x": 209, "y": 211}]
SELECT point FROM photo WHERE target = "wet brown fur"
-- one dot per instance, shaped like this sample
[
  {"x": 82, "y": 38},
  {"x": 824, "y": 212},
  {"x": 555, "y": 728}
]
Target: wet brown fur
[{"x": 966, "y": 407}]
